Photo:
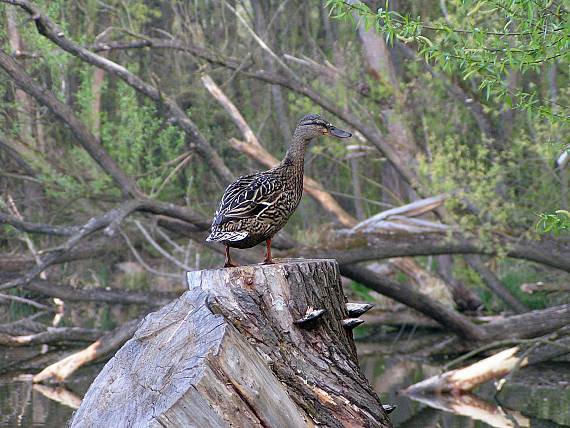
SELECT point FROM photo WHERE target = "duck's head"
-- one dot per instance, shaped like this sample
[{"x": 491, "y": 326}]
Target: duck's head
[{"x": 313, "y": 125}]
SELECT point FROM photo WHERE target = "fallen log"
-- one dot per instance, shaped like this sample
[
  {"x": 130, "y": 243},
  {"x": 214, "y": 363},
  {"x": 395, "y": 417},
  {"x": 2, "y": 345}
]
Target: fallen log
[
  {"x": 52, "y": 335},
  {"x": 448, "y": 318},
  {"x": 229, "y": 353},
  {"x": 529, "y": 325},
  {"x": 113, "y": 296},
  {"x": 399, "y": 317},
  {"x": 348, "y": 247},
  {"x": 498, "y": 365},
  {"x": 61, "y": 370},
  {"x": 348, "y": 250},
  {"x": 523, "y": 326}
]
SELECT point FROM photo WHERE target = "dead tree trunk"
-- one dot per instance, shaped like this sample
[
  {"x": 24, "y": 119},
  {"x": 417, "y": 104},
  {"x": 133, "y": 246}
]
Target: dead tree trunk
[
  {"x": 255, "y": 346},
  {"x": 501, "y": 364}
]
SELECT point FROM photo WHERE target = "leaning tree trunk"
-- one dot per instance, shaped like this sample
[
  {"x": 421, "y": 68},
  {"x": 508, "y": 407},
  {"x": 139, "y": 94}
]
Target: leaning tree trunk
[{"x": 254, "y": 346}]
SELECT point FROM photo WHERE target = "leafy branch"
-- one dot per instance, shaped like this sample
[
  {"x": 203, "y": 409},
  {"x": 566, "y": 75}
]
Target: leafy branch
[
  {"x": 533, "y": 33},
  {"x": 555, "y": 223}
]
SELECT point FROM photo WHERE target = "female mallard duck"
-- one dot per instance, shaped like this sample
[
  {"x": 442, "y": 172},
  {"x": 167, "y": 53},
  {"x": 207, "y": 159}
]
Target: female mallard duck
[{"x": 255, "y": 207}]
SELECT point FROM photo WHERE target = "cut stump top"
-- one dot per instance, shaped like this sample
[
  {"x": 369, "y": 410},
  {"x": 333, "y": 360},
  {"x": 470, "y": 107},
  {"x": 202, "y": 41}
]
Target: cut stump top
[{"x": 228, "y": 353}]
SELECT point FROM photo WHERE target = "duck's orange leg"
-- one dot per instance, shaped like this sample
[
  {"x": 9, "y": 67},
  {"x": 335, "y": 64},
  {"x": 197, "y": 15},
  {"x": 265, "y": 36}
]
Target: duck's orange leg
[
  {"x": 268, "y": 260},
  {"x": 228, "y": 262}
]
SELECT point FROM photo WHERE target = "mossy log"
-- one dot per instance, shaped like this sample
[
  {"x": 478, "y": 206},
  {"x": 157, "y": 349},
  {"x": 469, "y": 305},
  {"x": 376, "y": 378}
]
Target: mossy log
[{"x": 253, "y": 346}]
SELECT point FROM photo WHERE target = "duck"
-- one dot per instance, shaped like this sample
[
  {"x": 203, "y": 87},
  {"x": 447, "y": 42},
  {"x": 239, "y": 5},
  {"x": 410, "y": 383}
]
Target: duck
[{"x": 256, "y": 206}]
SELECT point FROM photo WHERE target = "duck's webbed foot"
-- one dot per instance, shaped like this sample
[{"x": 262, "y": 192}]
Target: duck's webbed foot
[
  {"x": 228, "y": 262},
  {"x": 268, "y": 259}
]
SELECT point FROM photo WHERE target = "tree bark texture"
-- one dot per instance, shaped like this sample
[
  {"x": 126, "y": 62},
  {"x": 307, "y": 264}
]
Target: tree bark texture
[{"x": 230, "y": 353}]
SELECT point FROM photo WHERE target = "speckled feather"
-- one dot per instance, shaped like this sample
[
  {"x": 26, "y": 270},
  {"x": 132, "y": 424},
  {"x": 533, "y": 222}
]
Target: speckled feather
[{"x": 255, "y": 207}]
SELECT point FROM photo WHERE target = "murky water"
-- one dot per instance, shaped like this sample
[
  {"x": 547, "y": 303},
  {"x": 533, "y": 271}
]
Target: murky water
[
  {"x": 538, "y": 396},
  {"x": 535, "y": 397},
  {"x": 23, "y": 404}
]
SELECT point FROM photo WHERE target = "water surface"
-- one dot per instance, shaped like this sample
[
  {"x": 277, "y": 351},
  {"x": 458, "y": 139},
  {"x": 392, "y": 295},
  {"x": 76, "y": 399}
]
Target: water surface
[{"x": 538, "y": 396}]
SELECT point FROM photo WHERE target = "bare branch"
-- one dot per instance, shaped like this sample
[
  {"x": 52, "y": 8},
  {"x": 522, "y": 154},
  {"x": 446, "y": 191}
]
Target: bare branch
[
  {"x": 110, "y": 222},
  {"x": 370, "y": 133},
  {"x": 113, "y": 296},
  {"x": 26, "y": 302},
  {"x": 262, "y": 44},
  {"x": 170, "y": 109},
  {"x": 413, "y": 209},
  {"x": 52, "y": 335},
  {"x": 41, "y": 228},
  {"x": 231, "y": 109},
  {"x": 259, "y": 153},
  {"x": 96, "y": 248},
  {"x": 161, "y": 250},
  {"x": 101, "y": 348},
  {"x": 84, "y": 137},
  {"x": 92, "y": 226},
  {"x": 329, "y": 71},
  {"x": 143, "y": 263},
  {"x": 168, "y": 239}
]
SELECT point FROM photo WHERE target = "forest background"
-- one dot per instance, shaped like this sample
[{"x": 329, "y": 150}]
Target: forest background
[{"x": 122, "y": 122}]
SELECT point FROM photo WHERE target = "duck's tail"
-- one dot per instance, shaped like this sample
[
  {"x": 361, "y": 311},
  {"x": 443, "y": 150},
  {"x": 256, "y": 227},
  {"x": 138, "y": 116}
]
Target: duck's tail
[{"x": 229, "y": 236}]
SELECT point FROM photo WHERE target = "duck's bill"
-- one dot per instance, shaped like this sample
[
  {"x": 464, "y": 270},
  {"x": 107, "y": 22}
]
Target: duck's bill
[{"x": 339, "y": 133}]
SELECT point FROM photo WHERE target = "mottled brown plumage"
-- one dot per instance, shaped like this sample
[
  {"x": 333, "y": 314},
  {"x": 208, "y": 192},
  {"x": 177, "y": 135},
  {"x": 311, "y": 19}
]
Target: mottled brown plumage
[{"x": 255, "y": 207}]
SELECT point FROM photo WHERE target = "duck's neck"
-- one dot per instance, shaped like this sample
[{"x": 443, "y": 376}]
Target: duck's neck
[{"x": 295, "y": 155}]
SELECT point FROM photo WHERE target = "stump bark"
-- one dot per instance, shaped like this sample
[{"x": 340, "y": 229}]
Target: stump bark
[{"x": 229, "y": 353}]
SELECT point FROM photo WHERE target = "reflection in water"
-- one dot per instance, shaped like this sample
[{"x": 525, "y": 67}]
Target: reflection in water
[
  {"x": 59, "y": 394},
  {"x": 21, "y": 405},
  {"x": 534, "y": 397},
  {"x": 475, "y": 408},
  {"x": 537, "y": 397}
]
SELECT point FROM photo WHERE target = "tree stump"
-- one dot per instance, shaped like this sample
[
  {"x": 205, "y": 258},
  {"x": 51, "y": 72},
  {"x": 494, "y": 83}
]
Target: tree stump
[{"x": 253, "y": 346}]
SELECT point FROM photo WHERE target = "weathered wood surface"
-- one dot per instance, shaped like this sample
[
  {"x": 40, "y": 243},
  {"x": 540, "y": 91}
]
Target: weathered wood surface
[
  {"x": 498, "y": 365},
  {"x": 228, "y": 353}
]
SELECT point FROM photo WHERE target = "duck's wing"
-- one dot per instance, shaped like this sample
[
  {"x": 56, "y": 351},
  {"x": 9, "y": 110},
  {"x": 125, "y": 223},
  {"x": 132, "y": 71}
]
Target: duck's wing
[{"x": 248, "y": 196}]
